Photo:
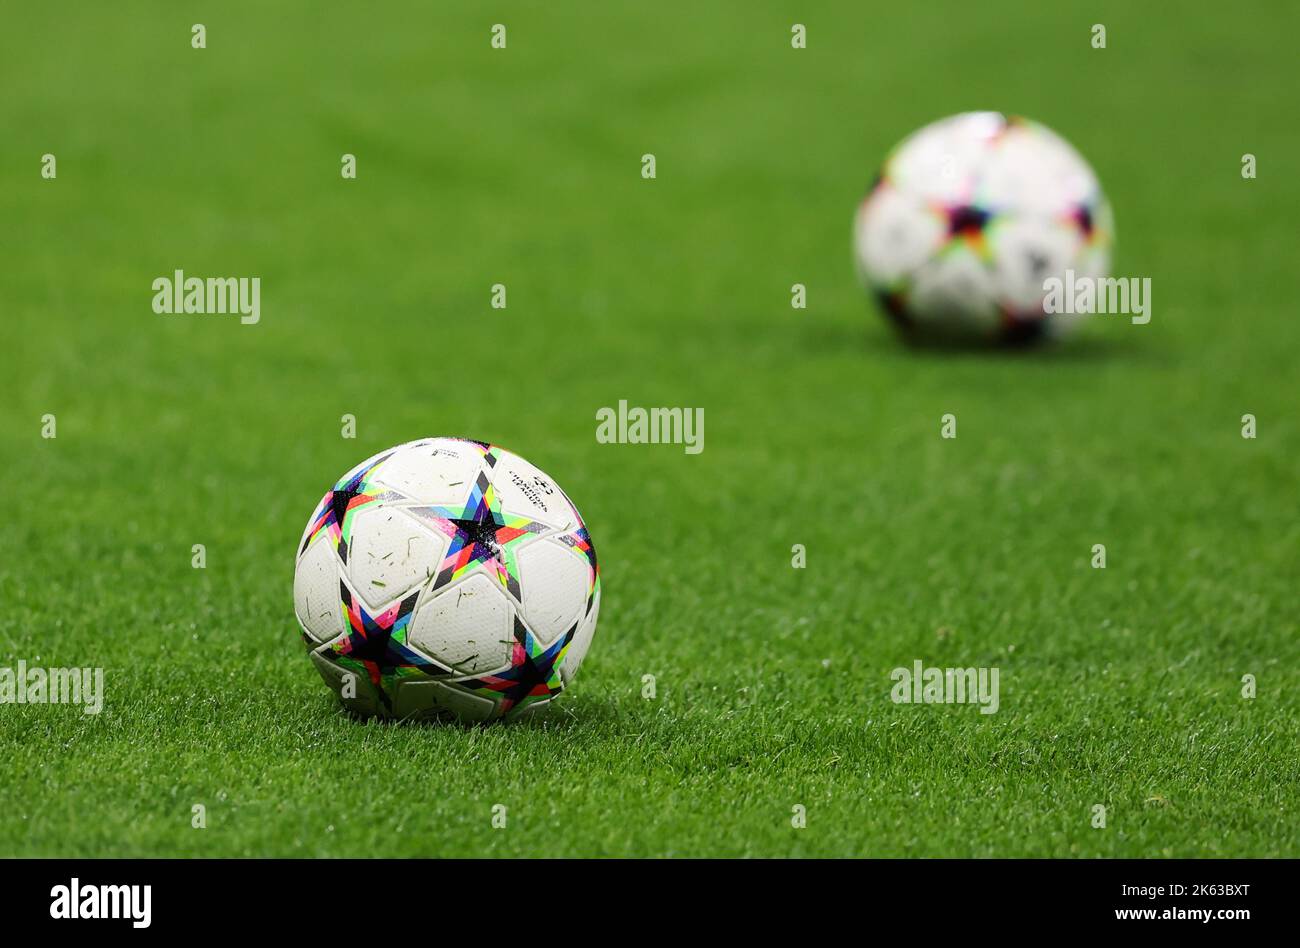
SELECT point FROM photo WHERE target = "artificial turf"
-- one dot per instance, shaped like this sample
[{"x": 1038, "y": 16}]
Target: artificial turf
[{"x": 522, "y": 166}]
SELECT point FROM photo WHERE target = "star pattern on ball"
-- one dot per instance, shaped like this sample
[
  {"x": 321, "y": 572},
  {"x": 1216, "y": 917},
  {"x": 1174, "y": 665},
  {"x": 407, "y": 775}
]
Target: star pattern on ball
[
  {"x": 533, "y": 675},
  {"x": 487, "y": 452},
  {"x": 580, "y": 542},
  {"x": 482, "y": 536},
  {"x": 966, "y": 220},
  {"x": 335, "y": 511},
  {"x": 966, "y": 225},
  {"x": 376, "y": 645}
]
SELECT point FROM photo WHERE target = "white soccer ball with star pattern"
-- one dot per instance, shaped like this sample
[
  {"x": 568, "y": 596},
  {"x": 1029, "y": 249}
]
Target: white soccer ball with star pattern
[
  {"x": 446, "y": 578},
  {"x": 967, "y": 221}
]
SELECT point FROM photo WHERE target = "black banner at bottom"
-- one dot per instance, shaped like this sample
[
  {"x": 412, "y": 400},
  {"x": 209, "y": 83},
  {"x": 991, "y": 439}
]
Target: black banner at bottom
[{"x": 338, "y": 897}]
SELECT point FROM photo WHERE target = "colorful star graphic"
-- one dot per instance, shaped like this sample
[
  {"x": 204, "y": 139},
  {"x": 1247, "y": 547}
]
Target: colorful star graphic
[
  {"x": 533, "y": 674},
  {"x": 377, "y": 646},
  {"x": 487, "y": 451},
  {"x": 481, "y": 534},
  {"x": 580, "y": 542},
  {"x": 334, "y": 512}
]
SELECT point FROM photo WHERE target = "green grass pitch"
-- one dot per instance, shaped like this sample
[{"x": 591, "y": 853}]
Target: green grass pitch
[{"x": 1119, "y": 687}]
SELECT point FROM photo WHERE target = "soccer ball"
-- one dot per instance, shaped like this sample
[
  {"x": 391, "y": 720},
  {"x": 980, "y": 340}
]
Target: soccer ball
[
  {"x": 967, "y": 219},
  {"x": 446, "y": 578}
]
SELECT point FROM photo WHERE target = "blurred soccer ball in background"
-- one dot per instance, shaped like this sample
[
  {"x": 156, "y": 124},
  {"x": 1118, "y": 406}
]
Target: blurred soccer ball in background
[
  {"x": 446, "y": 578},
  {"x": 967, "y": 219}
]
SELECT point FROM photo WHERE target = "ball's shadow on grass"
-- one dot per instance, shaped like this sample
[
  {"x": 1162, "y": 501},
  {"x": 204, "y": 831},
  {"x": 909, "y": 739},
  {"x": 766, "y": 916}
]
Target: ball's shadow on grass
[
  {"x": 567, "y": 715},
  {"x": 1082, "y": 348}
]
